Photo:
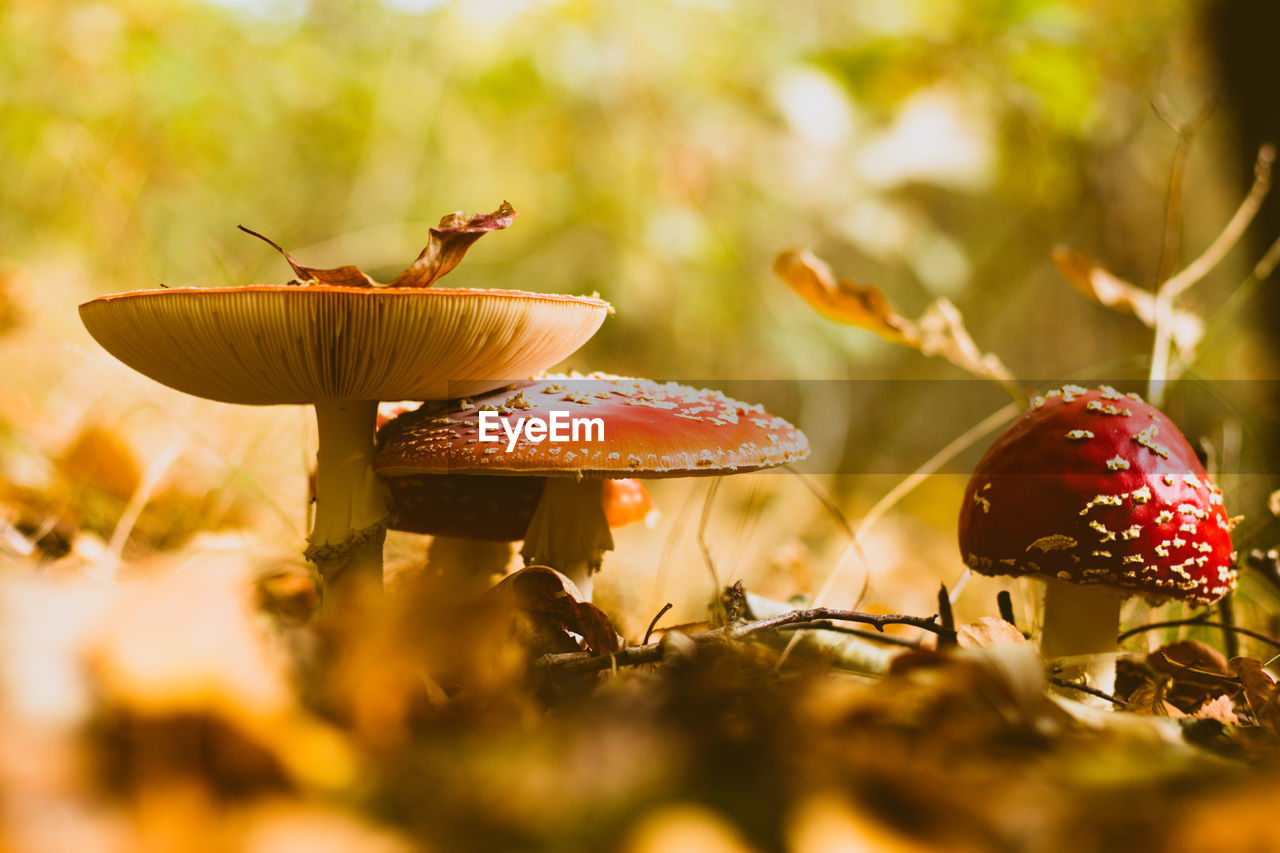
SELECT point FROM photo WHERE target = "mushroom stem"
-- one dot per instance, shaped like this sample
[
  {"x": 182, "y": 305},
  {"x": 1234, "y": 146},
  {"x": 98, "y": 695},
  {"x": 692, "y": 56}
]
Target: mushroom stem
[
  {"x": 351, "y": 503},
  {"x": 1081, "y": 624},
  {"x": 569, "y": 531}
]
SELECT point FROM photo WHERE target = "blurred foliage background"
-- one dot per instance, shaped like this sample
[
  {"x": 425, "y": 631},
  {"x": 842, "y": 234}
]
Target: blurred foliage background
[{"x": 661, "y": 154}]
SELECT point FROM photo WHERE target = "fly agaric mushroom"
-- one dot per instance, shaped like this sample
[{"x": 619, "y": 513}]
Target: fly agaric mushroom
[
  {"x": 341, "y": 342},
  {"x": 646, "y": 430},
  {"x": 1098, "y": 493}
]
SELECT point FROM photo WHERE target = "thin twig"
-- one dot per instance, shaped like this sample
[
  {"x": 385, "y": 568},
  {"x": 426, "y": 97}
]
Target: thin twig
[
  {"x": 1266, "y": 265},
  {"x": 1201, "y": 266},
  {"x": 584, "y": 662},
  {"x": 1186, "y": 131},
  {"x": 667, "y": 557},
  {"x": 904, "y": 487},
  {"x": 947, "y": 617},
  {"x": 1004, "y": 604},
  {"x": 653, "y": 623},
  {"x": 1084, "y": 688},
  {"x": 1186, "y": 672},
  {"x": 1232, "y": 232},
  {"x": 702, "y": 532},
  {"x": 828, "y": 502},
  {"x": 953, "y": 449},
  {"x": 1230, "y": 641},
  {"x": 836, "y": 628},
  {"x": 1199, "y": 622}
]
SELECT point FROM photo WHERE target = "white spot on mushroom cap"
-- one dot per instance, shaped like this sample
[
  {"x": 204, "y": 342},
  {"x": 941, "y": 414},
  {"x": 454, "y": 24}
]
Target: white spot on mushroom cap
[
  {"x": 1102, "y": 500},
  {"x": 1053, "y": 542},
  {"x": 1147, "y": 438}
]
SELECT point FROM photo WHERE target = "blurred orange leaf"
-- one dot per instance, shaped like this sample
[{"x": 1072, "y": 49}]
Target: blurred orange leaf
[
  {"x": 986, "y": 632},
  {"x": 841, "y": 300},
  {"x": 100, "y": 458},
  {"x": 939, "y": 332},
  {"x": 1099, "y": 284}
]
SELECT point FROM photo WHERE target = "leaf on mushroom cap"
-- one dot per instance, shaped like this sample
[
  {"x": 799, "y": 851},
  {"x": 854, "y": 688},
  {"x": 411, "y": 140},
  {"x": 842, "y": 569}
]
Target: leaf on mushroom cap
[
  {"x": 1098, "y": 487},
  {"x": 650, "y": 430},
  {"x": 449, "y": 243},
  {"x": 346, "y": 337},
  {"x": 273, "y": 344}
]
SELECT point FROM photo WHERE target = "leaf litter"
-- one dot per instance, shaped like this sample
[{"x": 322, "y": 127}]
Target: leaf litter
[{"x": 199, "y": 703}]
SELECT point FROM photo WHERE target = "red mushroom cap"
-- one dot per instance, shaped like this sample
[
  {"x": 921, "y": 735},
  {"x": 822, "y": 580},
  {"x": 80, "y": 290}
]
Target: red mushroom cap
[
  {"x": 650, "y": 430},
  {"x": 1098, "y": 487}
]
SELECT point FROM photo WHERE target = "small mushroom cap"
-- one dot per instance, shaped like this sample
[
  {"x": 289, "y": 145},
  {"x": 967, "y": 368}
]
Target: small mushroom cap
[
  {"x": 626, "y": 501},
  {"x": 271, "y": 344},
  {"x": 1098, "y": 487},
  {"x": 650, "y": 430}
]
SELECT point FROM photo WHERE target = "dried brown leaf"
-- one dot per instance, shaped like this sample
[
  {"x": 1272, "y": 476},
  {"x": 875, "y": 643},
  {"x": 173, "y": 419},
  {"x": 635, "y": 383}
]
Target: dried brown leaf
[
  {"x": 1219, "y": 708},
  {"x": 842, "y": 301},
  {"x": 1193, "y": 673},
  {"x": 939, "y": 332},
  {"x": 98, "y": 457},
  {"x": 1149, "y": 699},
  {"x": 449, "y": 243},
  {"x": 1099, "y": 284},
  {"x": 988, "y": 631},
  {"x": 553, "y": 605},
  {"x": 1259, "y": 691},
  {"x": 347, "y": 276}
]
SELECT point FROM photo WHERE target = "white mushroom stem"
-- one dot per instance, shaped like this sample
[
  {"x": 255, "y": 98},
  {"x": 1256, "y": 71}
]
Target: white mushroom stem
[
  {"x": 569, "y": 531},
  {"x": 351, "y": 503},
  {"x": 1081, "y": 624}
]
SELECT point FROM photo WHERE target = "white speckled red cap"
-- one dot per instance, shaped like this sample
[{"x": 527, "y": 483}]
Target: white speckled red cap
[
  {"x": 650, "y": 430},
  {"x": 269, "y": 344},
  {"x": 1098, "y": 487}
]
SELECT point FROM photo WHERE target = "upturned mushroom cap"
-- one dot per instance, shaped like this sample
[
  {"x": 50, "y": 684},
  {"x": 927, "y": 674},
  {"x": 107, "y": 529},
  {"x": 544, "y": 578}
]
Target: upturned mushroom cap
[
  {"x": 650, "y": 430},
  {"x": 1098, "y": 487},
  {"x": 272, "y": 344}
]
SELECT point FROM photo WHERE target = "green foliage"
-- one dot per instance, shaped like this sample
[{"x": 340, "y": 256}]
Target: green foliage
[{"x": 660, "y": 156}]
